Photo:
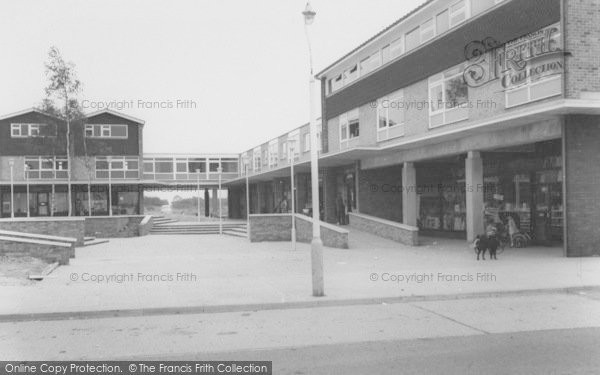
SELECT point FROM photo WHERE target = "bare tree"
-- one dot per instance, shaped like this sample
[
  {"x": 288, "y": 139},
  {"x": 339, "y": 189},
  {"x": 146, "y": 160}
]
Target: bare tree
[{"x": 64, "y": 87}]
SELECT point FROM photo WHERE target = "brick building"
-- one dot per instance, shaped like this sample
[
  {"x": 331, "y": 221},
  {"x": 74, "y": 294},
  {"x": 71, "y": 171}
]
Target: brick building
[{"x": 460, "y": 113}]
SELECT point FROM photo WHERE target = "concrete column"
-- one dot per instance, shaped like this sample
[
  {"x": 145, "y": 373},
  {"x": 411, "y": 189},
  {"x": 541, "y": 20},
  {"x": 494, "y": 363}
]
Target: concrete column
[
  {"x": 215, "y": 202},
  {"x": 409, "y": 194},
  {"x": 206, "y": 203},
  {"x": 474, "y": 189}
]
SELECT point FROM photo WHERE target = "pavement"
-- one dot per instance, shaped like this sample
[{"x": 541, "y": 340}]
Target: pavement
[
  {"x": 468, "y": 334},
  {"x": 210, "y": 273}
]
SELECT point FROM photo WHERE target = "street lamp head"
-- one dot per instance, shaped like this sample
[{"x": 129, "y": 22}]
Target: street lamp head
[
  {"x": 309, "y": 14},
  {"x": 220, "y": 170},
  {"x": 11, "y": 162},
  {"x": 197, "y": 170}
]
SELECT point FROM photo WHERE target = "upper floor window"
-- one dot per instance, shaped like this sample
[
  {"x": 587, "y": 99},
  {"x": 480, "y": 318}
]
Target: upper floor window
[
  {"x": 50, "y": 167},
  {"x": 448, "y": 97},
  {"x": 273, "y": 153},
  {"x": 392, "y": 50},
  {"x": 105, "y": 131},
  {"x": 412, "y": 39},
  {"x": 458, "y": 13},
  {"x": 306, "y": 142},
  {"x": 256, "y": 162},
  {"x": 390, "y": 116},
  {"x": 351, "y": 74},
  {"x": 442, "y": 22},
  {"x": 32, "y": 130},
  {"x": 349, "y": 127},
  {"x": 119, "y": 167},
  {"x": 294, "y": 141},
  {"x": 427, "y": 30},
  {"x": 370, "y": 63}
]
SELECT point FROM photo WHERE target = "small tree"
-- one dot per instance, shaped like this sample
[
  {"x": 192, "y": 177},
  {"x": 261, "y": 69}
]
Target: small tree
[{"x": 63, "y": 86}]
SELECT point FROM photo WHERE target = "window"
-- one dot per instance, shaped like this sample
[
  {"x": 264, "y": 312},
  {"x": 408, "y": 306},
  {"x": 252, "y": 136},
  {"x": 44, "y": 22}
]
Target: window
[
  {"x": 458, "y": 13},
  {"x": 427, "y": 30},
  {"x": 294, "y": 143},
  {"x": 412, "y": 39},
  {"x": 256, "y": 159},
  {"x": 442, "y": 22},
  {"x": 306, "y": 142},
  {"x": 32, "y": 130},
  {"x": 390, "y": 116},
  {"x": 123, "y": 167},
  {"x": 336, "y": 83},
  {"x": 195, "y": 165},
  {"x": 273, "y": 153},
  {"x": 229, "y": 166},
  {"x": 105, "y": 131},
  {"x": 284, "y": 149},
  {"x": 349, "y": 128},
  {"x": 448, "y": 95},
  {"x": 396, "y": 48},
  {"x": 351, "y": 74},
  {"x": 50, "y": 167},
  {"x": 370, "y": 63}
]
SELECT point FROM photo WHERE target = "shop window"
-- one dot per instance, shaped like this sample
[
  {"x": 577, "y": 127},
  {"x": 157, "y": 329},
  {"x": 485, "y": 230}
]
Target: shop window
[
  {"x": 448, "y": 98},
  {"x": 390, "y": 116}
]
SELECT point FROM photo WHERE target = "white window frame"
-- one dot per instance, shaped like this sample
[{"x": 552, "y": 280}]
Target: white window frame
[
  {"x": 306, "y": 142},
  {"x": 376, "y": 65},
  {"x": 103, "y": 128},
  {"x": 31, "y": 127},
  {"x": 344, "y": 123},
  {"x": 53, "y": 160},
  {"x": 256, "y": 160},
  {"x": 383, "y": 133},
  {"x": 466, "y": 8},
  {"x": 440, "y": 79},
  {"x": 416, "y": 30},
  {"x": 124, "y": 168},
  {"x": 273, "y": 153},
  {"x": 295, "y": 136},
  {"x": 431, "y": 28}
]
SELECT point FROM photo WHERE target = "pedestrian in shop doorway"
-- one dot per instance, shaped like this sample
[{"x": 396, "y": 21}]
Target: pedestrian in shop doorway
[{"x": 340, "y": 210}]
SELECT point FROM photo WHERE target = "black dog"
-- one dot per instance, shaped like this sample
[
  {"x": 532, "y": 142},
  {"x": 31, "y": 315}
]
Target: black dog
[{"x": 489, "y": 243}]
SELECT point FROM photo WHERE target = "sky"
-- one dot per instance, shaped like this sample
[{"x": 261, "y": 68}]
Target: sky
[{"x": 206, "y": 76}]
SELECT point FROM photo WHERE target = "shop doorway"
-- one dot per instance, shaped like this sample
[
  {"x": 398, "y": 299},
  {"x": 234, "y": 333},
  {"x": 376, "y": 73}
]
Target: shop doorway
[{"x": 42, "y": 204}]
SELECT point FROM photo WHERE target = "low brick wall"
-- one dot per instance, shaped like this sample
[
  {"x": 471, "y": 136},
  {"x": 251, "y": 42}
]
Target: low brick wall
[
  {"x": 146, "y": 225},
  {"x": 113, "y": 226},
  {"x": 398, "y": 232},
  {"x": 278, "y": 227},
  {"x": 331, "y": 235},
  {"x": 46, "y": 251},
  {"x": 51, "y": 226}
]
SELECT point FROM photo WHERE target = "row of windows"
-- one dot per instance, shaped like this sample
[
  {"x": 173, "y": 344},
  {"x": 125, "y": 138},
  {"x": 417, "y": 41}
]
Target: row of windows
[
  {"x": 269, "y": 157},
  {"x": 117, "y": 167},
  {"x": 46, "y": 167},
  {"x": 457, "y": 13},
  {"x": 187, "y": 168},
  {"x": 106, "y": 131},
  {"x": 18, "y": 130}
]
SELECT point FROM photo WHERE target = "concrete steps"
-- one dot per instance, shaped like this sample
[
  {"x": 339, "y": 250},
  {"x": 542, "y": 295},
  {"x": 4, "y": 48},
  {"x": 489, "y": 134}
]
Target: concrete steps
[
  {"x": 174, "y": 228},
  {"x": 90, "y": 241}
]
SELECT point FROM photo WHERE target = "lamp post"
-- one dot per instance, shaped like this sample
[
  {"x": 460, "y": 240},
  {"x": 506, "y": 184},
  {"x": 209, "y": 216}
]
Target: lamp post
[
  {"x": 11, "y": 163},
  {"x": 246, "y": 168},
  {"x": 292, "y": 188},
  {"x": 220, "y": 170},
  {"x": 27, "y": 186},
  {"x": 316, "y": 245}
]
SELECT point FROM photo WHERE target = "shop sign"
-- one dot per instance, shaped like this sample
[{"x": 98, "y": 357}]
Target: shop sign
[{"x": 519, "y": 62}]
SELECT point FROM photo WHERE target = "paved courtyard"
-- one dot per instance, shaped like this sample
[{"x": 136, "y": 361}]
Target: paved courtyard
[{"x": 178, "y": 271}]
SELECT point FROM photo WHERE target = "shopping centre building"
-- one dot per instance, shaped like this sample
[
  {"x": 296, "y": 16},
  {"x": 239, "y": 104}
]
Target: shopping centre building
[{"x": 458, "y": 113}]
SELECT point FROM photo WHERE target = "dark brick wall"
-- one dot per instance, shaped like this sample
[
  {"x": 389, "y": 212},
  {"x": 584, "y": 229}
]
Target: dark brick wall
[
  {"x": 582, "y": 32},
  {"x": 54, "y": 145},
  {"x": 63, "y": 227},
  {"x": 582, "y": 176},
  {"x": 380, "y": 192},
  {"x": 100, "y": 146}
]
